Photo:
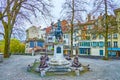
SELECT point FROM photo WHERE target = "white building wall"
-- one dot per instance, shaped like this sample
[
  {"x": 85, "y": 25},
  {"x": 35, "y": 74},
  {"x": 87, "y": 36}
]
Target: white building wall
[
  {"x": 66, "y": 38},
  {"x": 96, "y": 51},
  {"x": 27, "y": 48},
  {"x": 119, "y": 40},
  {"x": 69, "y": 39},
  {"x": 41, "y": 34},
  {"x": 32, "y": 32},
  {"x": 114, "y": 40},
  {"x": 118, "y": 23}
]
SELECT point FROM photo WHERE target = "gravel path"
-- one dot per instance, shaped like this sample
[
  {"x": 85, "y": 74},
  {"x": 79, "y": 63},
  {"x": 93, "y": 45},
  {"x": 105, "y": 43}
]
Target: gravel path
[{"x": 14, "y": 68}]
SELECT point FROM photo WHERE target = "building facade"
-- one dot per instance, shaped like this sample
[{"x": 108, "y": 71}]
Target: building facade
[
  {"x": 91, "y": 42},
  {"x": 88, "y": 37},
  {"x": 35, "y": 39},
  {"x": 50, "y": 37}
]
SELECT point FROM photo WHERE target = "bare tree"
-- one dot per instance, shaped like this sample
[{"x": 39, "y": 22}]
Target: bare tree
[
  {"x": 80, "y": 9},
  {"x": 106, "y": 7},
  {"x": 74, "y": 10},
  {"x": 13, "y": 12}
]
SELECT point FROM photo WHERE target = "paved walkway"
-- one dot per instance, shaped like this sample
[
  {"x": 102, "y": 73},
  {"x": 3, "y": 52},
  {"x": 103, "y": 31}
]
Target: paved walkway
[{"x": 14, "y": 68}]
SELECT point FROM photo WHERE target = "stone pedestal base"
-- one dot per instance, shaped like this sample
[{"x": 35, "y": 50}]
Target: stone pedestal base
[{"x": 58, "y": 62}]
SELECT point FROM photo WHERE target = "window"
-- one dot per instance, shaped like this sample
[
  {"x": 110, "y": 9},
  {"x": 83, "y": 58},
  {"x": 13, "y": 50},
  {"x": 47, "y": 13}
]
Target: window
[
  {"x": 82, "y": 44},
  {"x": 40, "y": 44},
  {"x": 109, "y": 44},
  {"x": 113, "y": 54},
  {"x": 94, "y": 44},
  {"x": 66, "y": 36},
  {"x": 115, "y": 36},
  {"x": 27, "y": 46},
  {"x": 75, "y": 45},
  {"x": 89, "y": 27},
  {"x": 101, "y": 52},
  {"x": 64, "y": 41},
  {"x": 109, "y": 36},
  {"x": 84, "y": 51},
  {"x": 100, "y": 37},
  {"x": 87, "y": 43},
  {"x": 76, "y": 39},
  {"x": 101, "y": 44},
  {"x": 50, "y": 38},
  {"x": 31, "y": 44},
  {"x": 115, "y": 44},
  {"x": 94, "y": 36}
]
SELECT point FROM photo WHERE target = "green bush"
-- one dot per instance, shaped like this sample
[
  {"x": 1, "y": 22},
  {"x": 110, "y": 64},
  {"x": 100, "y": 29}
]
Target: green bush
[{"x": 16, "y": 46}]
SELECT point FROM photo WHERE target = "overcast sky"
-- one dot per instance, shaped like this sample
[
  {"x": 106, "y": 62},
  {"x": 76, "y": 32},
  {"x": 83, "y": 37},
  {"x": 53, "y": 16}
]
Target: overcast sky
[
  {"x": 46, "y": 22},
  {"x": 55, "y": 12}
]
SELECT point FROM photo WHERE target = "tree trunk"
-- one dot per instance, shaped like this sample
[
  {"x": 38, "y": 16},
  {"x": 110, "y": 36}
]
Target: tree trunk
[
  {"x": 106, "y": 33},
  {"x": 72, "y": 25},
  {"x": 7, "y": 45},
  {"x": 71, "y": 39}
]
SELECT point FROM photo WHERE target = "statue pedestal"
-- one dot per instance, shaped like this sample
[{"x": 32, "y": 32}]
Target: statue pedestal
[
  {"x": 58, "y": 62},
  {"x": 58, "y": 51}
]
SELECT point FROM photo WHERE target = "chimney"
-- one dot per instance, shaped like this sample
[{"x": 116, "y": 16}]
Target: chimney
[
  {"x": 100, "y": 14},
  {"x": 93, "y": 17},
  {"x": 89, "y": 17}
]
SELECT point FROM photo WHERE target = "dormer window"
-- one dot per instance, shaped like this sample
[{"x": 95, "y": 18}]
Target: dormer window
[
  {"x": 94, "y": 36},
  {"x": 100, "y": 37}
]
